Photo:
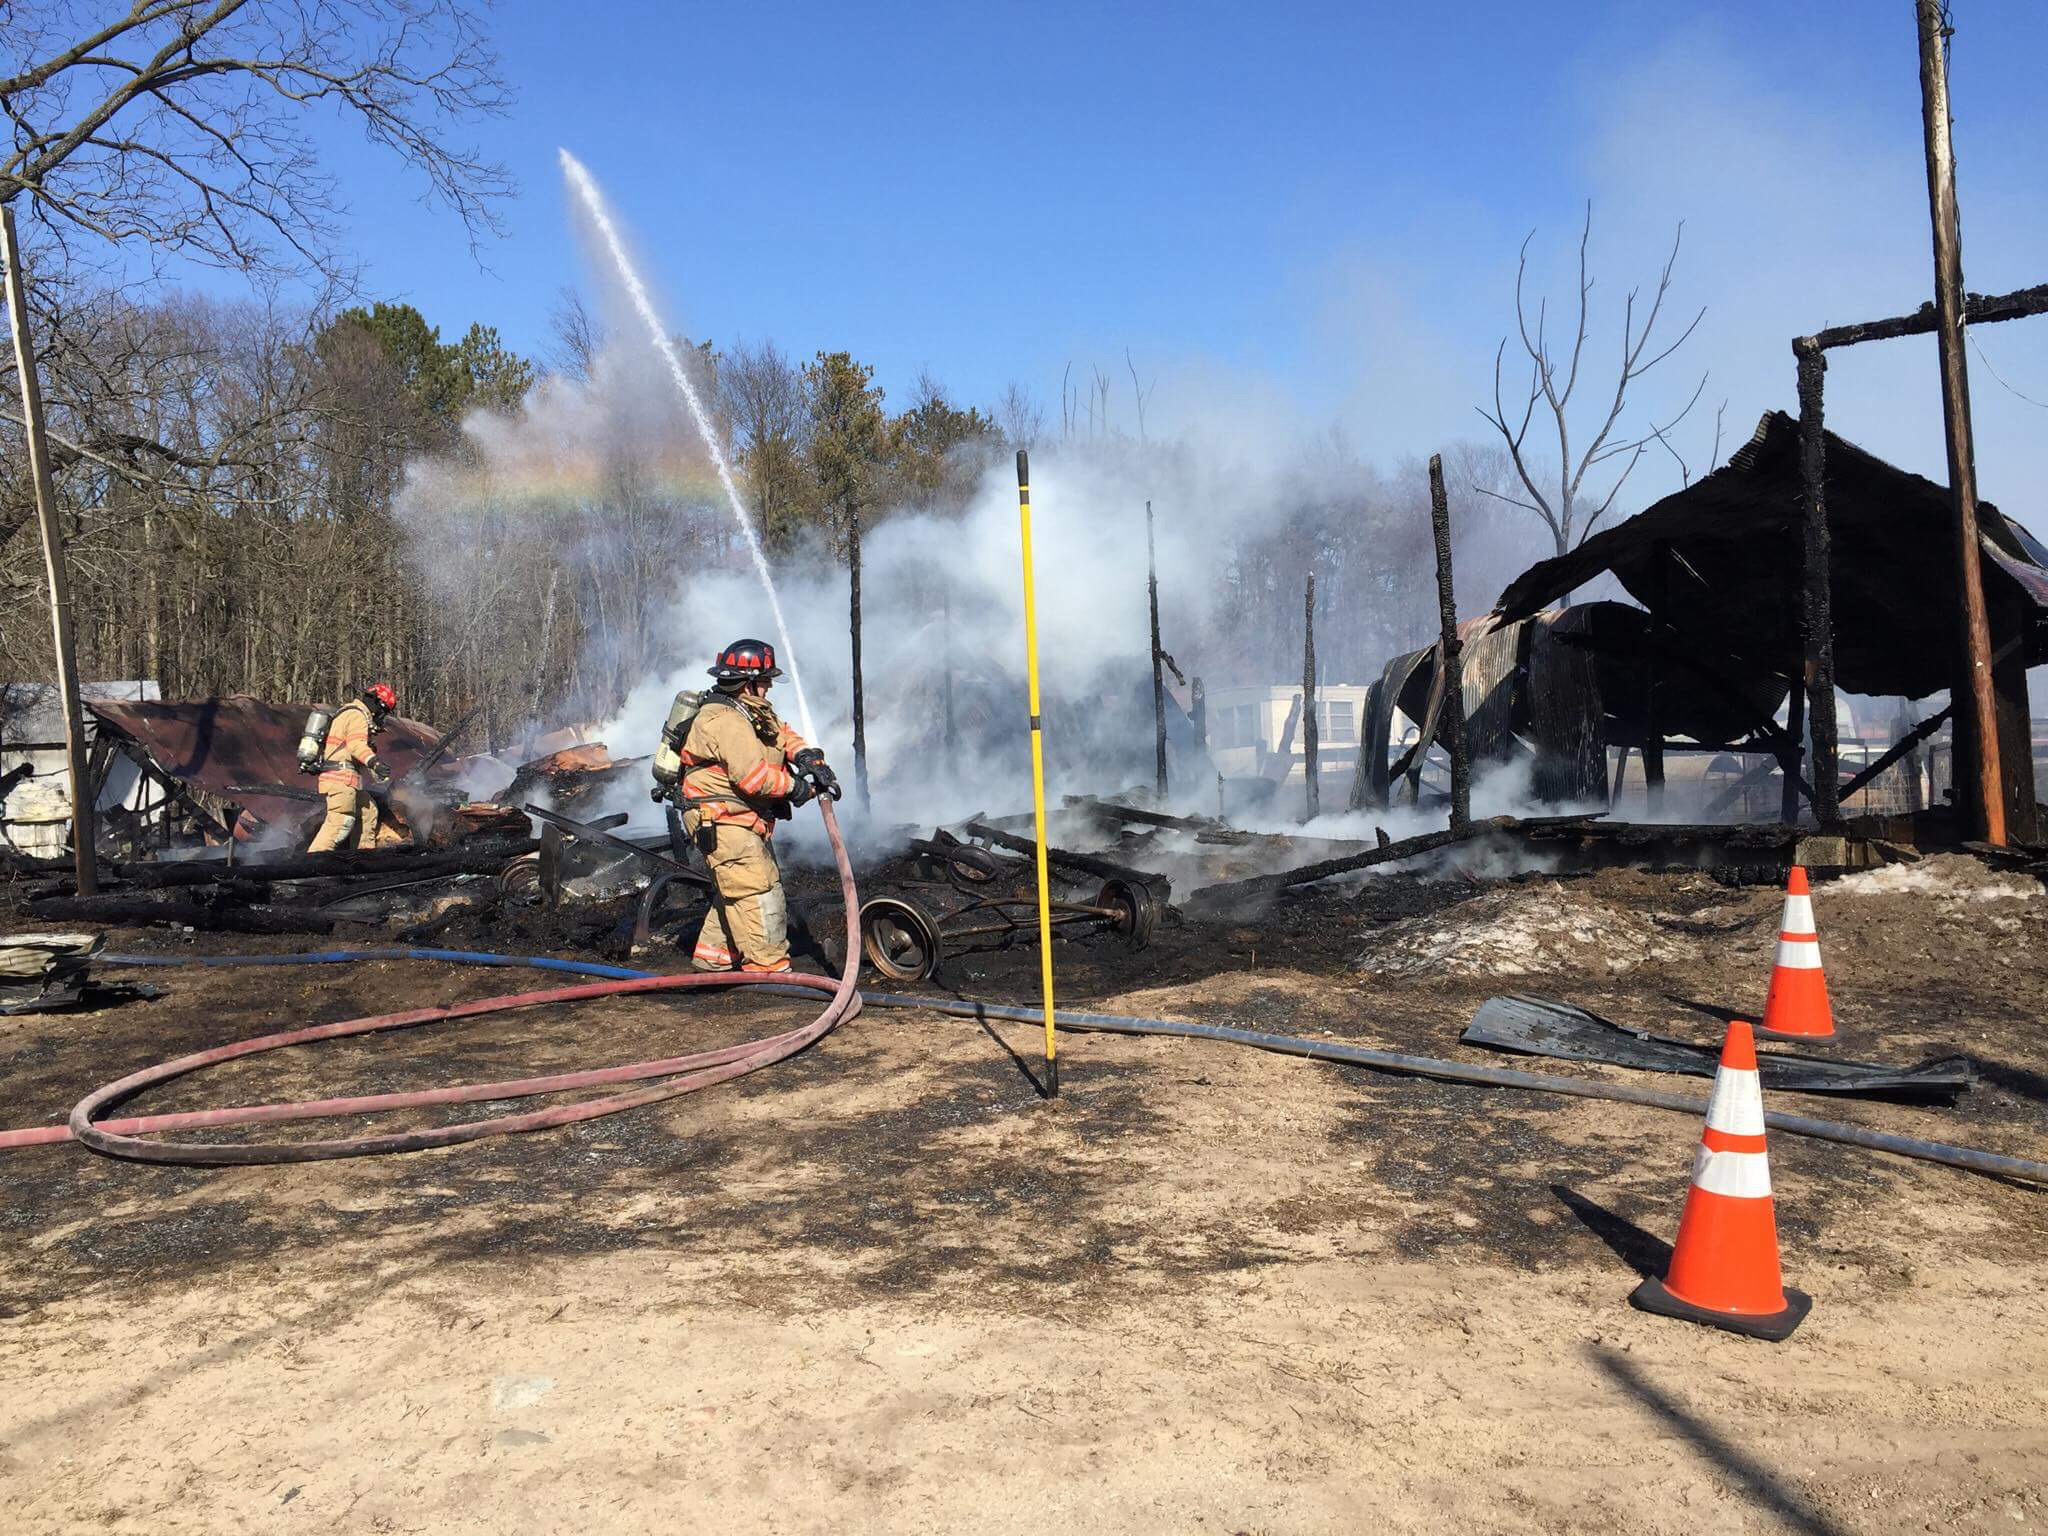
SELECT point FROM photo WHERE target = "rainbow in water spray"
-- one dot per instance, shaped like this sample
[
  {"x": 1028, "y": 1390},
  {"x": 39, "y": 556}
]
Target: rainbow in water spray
[{"x": 593, "y": 204}]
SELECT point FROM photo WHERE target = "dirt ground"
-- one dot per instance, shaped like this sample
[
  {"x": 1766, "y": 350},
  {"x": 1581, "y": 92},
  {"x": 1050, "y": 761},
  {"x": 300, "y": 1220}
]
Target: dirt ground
[{"x": 886, "y": 1286}]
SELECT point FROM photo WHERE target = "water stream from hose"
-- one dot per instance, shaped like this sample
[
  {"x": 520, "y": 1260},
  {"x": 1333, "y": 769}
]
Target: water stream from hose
[{"x": 600, "y": 218}]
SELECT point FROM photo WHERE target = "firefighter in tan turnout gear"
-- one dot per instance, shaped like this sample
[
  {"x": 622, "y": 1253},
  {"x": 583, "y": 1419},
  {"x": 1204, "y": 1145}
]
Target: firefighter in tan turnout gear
[
  {"x": 345, "y": 756},
  {"x": 739, "y": 769}
]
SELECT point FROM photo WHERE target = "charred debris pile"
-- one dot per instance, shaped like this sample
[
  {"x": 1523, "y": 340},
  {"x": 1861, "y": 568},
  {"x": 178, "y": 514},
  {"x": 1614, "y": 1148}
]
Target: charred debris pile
[
  {"x": 203, "y": 816},
  {"x": 201, "y": 808}
]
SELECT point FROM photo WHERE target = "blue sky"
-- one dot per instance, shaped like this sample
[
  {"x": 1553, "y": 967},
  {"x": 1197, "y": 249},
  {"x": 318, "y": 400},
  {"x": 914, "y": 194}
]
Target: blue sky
[{"x": 1293, "y": 215}]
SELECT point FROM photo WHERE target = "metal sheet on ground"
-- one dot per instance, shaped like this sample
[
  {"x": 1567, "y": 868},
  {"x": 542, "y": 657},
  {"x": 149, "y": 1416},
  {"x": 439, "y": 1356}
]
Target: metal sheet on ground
[{"x": 1540, "y": 1027}]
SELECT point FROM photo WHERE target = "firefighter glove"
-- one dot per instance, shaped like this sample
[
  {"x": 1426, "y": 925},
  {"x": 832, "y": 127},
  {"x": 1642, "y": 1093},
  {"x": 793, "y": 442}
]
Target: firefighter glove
[
  {"x": 802, "y": 792},
  {"x": 811, "y": 763},
  {"x": 380, "y": 770}
]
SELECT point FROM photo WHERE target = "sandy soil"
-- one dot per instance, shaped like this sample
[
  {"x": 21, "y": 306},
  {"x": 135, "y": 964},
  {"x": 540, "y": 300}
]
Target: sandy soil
[{"x": 886, "y": 1286}]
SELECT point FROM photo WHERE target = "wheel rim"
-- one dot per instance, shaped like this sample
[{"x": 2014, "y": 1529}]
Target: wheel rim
[
  {"x": 899, "y": 940},
  {"x": 1137, "y": 913}
]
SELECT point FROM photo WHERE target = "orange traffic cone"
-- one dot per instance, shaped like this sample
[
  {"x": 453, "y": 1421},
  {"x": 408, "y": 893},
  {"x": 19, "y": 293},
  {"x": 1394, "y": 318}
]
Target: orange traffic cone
[
  {"x": 1797, "y": 1005},
  {"x": 1724, "y": 1267}
]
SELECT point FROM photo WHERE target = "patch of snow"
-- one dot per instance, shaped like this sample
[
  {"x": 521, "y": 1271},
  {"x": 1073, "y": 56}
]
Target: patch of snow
[
  {"x": 1522, "y": 931},
  {"x": 1949, "y": 876}
]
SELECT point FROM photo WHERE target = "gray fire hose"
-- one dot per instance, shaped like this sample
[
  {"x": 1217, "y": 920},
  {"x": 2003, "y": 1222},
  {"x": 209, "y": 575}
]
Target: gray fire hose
[{"x": 1489, "y": 1077}]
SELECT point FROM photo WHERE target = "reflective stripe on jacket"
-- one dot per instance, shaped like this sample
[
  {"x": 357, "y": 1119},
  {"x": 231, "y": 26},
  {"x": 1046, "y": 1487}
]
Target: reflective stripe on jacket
[
  {"x": 724, "y": 759},
  {"x": 347, "y": 746}
]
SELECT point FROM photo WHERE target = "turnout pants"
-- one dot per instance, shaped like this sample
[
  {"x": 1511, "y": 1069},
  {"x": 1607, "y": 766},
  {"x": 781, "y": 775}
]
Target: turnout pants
[
  {"x": 351, "y": 821},
  {"x": 747, "y": 927}
]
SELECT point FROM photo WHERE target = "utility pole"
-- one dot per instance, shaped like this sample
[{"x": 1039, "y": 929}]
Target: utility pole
[
  {"x": 1158, "y": 680},
  {"x": 1980, "y": 709},
  {"x": 85, "y": 866}
]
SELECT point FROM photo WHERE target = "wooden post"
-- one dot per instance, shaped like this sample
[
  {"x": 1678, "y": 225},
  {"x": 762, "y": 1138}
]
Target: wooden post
[
  {"x": 1974, "y": 681},
  {"x": 860, "y": 713},
  {"x": 1453, "y": 717},
  {"x": 1817, "y": 612},
  {"x": 1158, "y": 679},
  {"x": 1198, "y": 714},
  {"x": 1309, "y": 737},
  {"x": 2007, "y": 613},
  {"x": 85, "y": 865},
  {"x": 1653, "y": 712}
]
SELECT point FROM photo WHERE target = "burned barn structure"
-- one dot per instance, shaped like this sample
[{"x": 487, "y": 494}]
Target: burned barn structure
[{"x": 1712, "y": 655}]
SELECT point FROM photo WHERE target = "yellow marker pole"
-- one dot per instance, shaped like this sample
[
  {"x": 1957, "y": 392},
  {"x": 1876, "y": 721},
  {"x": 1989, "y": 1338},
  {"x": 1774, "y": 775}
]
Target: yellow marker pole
[{"x": 1052, "y": 1060}]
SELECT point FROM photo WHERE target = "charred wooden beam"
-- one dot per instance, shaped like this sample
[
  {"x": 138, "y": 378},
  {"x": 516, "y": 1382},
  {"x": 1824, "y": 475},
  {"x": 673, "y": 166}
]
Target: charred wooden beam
[
  {"x": 1817, "y": 612},
  {"x": 1109, "y": 810},
  {"x": 465, "y": 860},
  {"x": 1406, "y": 848},
  {"x": 439, "y": 749},
  {"x": 1158, "y": 657},
  {"x": 1276, "y": 767},
  {"x": 860, "y": 708},
  {"x": 1085, "y": 863},
  {"x": 1978, "y": 309},
  {"x": 599, "y": 832},
  {"x": 1898, "y": 749},
  {"x": 176, "y": 790},
  {"x": 1453, "y": 650},
  {"x": 132, "y": 910},
  {"x": 1312, "y": 803}
]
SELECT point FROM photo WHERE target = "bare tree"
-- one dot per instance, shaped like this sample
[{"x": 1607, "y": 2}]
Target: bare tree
[
  {"x": 1142, "y": 392},
  {"x": 577, "y": 338},
  {"x": 1663, "y": 437},
  {"x": 1571, "y": 507},
  {"x": 1020, "y": 418},
  {"x": 183, "y": 125},
  {"x": 762, "y": 397}
]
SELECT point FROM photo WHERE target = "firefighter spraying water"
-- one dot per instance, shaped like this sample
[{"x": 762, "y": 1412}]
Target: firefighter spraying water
[{"x": 734, "y": 768}]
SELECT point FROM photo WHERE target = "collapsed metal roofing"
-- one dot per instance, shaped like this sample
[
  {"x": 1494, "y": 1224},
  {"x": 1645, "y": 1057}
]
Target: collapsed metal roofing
[{"x": 1735, "y": 545}]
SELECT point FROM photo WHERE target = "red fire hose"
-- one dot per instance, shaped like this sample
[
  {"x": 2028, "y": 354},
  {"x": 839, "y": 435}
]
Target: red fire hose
[{"x": 692, "y": 1072}]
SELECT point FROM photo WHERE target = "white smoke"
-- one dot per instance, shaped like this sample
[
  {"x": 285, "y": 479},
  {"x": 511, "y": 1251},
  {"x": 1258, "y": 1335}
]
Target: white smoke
[
  {"x": 945, "y": 593},
  {"x": 606, "y": 475}
]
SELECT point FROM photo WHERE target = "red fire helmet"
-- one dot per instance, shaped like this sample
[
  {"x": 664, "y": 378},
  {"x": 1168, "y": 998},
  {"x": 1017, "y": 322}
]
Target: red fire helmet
[{"x": 746, "y": 661}]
